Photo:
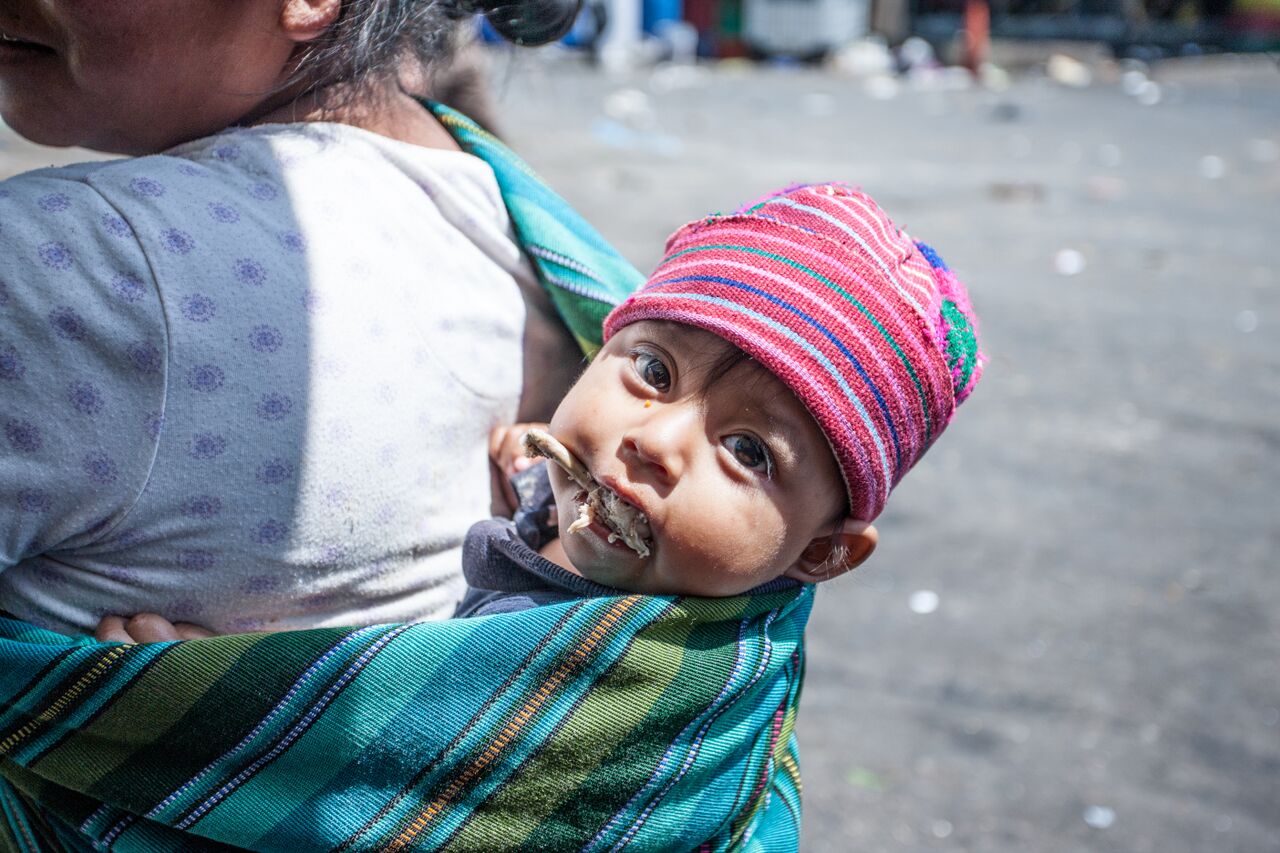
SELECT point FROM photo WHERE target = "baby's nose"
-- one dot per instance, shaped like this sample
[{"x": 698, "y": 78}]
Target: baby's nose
[{"x": 663, "y": 442}]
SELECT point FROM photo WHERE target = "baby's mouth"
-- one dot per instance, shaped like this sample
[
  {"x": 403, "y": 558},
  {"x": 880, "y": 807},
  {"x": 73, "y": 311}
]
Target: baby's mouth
[
  {"x": 597, "y": 503},
  {"x": 624, "y": 522}
]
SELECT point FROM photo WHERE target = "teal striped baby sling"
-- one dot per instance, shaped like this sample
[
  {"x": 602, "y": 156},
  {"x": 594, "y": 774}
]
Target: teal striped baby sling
[{"x": 635, "y": 723}]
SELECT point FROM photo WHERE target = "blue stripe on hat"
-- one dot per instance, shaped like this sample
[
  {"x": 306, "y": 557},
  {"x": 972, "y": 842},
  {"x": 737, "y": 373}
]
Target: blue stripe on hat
[{"x": 935, "y": 260}]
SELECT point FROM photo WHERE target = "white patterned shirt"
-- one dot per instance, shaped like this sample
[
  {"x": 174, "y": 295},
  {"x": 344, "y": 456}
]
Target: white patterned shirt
[{"x": 249, "y": 382}]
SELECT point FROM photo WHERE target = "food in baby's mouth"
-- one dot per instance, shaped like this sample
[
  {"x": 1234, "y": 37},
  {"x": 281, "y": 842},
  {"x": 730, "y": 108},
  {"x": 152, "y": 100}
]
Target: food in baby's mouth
[{"x": 596, "y": 502}]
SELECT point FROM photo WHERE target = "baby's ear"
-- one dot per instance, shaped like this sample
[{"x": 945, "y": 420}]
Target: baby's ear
[{"x": 845, "y": 548}]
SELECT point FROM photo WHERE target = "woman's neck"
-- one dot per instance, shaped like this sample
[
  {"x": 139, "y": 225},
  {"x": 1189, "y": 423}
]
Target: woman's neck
[{"x": 386, "y": 110}]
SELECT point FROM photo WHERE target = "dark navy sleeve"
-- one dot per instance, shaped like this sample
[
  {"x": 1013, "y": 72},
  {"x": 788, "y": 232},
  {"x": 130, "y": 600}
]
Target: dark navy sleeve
[
  {"x": 487, "y": 602},
  {"x": 495, "y": 582},
  {"x": 535, "y": 517},
  {"x": 500, "y": 559}
]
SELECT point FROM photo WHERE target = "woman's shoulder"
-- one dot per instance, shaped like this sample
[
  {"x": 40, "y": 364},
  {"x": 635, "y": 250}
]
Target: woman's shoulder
[
  {"x": 169, "y": 213},
  {"x": 83, "y": 339},
  {"x": 57, "y": 199},
  {"x": 327, "y": 159},
  {"x": 252, "y": 161},
  {"x": 299, "y": 203},
  {"x": 57, "y": 227},
  {"x": 105, "y": 207},
  {"x": 71, "y": 262}
]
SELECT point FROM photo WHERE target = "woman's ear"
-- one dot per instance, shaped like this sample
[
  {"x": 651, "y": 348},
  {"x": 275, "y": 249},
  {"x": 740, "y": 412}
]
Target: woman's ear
[
  {"x": 847, "y": 547},
  {"x": 307, "y": 20}
]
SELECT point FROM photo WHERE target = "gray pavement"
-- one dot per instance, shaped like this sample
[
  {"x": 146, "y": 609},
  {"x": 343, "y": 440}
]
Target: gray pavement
[{"x": 1069, "y": 639}]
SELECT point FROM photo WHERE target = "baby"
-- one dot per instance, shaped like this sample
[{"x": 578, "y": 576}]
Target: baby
[{"x": 752, "y": 408}]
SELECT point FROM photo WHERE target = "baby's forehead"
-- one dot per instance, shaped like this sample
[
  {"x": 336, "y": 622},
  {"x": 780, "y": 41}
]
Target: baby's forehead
[{"x": 746, "y": 387}]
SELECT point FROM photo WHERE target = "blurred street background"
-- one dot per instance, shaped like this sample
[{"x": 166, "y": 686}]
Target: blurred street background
[{"x": 1069, "y": 639}]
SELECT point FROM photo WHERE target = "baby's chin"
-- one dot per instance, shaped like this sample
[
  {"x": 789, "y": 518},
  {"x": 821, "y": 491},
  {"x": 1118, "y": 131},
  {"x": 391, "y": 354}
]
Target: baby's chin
[
  {"x": 629, "y": 573},
  {"x": 609, "y": 565}
]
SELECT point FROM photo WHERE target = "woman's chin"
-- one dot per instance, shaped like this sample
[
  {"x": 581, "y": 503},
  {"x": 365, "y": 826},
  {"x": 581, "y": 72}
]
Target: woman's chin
[
  {"x": 30, "y": 120},
  {"x": 70, "y": 122},
  {"x": 45, "y": 122}
]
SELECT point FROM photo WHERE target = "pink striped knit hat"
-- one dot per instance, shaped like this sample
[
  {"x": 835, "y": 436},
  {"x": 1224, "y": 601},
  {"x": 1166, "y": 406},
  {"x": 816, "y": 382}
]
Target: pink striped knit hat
[{"x": 869, "y": 328}]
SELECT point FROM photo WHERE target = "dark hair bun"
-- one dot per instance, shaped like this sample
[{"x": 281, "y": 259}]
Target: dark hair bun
[{"x": 530, "y": 22}]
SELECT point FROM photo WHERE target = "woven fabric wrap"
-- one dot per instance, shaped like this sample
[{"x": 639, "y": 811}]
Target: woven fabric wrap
[
  {"x": 630, "y": 723},
  {"x": 870, "y": 329},
  {"x": 633, "y": 723}
]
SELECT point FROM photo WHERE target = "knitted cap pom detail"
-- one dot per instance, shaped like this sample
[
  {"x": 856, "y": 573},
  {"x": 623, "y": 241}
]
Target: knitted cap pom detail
[{"x": 958, "y": 327}]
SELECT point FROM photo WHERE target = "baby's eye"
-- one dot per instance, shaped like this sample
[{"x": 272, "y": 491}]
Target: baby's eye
[
  {"x": 653, "y": 371},
  {"x": 750, "y": 452}
]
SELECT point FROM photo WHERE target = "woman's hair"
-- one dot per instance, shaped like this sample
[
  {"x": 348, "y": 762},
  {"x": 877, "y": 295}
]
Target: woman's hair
[{"x": 374, "y": 39}]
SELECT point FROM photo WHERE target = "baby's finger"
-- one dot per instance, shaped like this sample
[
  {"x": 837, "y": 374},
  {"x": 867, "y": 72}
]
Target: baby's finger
[
  {"x": 111, "y": 630},
  {"x": 502, "y": 447},
  {"x": 187, "y": 631},
  {"x": 513, "y": 451},
  {"x": 496, "y": 437},
  {"x": 514, "y": 459},
  {"x": 150, "y": 628}
]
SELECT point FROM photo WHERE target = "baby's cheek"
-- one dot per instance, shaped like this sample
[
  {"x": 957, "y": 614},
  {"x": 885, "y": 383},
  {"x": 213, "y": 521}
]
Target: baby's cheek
[
  {"x": 761, "y": 530},
  {"x": 738, "y": 546}
]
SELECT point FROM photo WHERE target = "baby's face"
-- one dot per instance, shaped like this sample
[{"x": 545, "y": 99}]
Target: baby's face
[
  {"x": 135, "y": 77},
  {"x": 734, "y": 474}
]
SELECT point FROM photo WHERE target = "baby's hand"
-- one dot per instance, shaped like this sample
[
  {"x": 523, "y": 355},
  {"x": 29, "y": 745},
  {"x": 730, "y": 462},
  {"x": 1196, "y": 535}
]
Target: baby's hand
[
  {"x": 146, "y": 628},
  {"x": 507, "y": 451},
  {"x": 507, "y": 458}
]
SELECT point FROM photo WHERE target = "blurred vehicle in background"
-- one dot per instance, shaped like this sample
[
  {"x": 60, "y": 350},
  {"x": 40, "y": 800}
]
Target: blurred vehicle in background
[{"x": 802, "y": 28}]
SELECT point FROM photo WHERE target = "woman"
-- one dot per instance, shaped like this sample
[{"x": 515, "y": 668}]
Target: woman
[{"x": 248, "y": 376}]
